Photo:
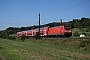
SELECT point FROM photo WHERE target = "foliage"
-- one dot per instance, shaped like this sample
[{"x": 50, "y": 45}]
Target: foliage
[
  {"x": 83, "y": 23},
  {"x": 89, "y": 34},
  {"x": 84, "y": 43},
  {"x": 75, "y": 23},
  {"x": 4, "y": 34},
  {"x": 88, "y": 29},
  {"x": 76, "y": 34},
  {"x": 12, "y": 37},
  {"x": 84, "y": 33},
  {"x": 23, "y": 38}
]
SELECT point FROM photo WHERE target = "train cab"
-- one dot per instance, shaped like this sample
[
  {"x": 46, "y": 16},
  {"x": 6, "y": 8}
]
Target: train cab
[{"x": 68, "y": 31}]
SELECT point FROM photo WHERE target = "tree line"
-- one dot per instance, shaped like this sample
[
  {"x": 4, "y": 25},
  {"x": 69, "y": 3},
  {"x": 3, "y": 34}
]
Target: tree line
[{"x": 75, "y": 23}]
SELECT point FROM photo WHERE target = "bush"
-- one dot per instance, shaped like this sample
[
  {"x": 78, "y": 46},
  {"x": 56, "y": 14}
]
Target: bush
[
  {"x": 23, "y": 38},
  {"x": 88, "y": 29},
  {"x": 62, "y": 41},
  {"x": 76, "y": 33},
  {"x": 84, "y": 34},
  {"x": 84, "y": 43},
  {"x": 12, "y": 37},
  {"x": 0, "y": 35},
  {"x": 89, "y": 34},
  {"x": 82, "y": 30},
  {"x": 4, "y": 36}
]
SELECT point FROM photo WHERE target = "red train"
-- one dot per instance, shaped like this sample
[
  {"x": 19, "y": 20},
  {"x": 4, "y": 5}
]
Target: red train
[{"x": 59, "y": 31}]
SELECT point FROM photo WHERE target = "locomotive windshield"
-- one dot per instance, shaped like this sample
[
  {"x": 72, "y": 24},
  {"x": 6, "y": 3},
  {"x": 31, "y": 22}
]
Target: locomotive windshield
[{"x": 67, "y": 27}]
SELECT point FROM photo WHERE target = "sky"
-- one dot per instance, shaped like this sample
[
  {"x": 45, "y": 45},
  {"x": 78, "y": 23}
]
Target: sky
[{"x": 21, "y": 13}]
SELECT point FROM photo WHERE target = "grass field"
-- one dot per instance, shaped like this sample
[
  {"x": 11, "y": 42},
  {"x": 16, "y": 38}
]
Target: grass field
[
  {"x": 83, "y": 30},
  {"x": 43, "y": 49}
]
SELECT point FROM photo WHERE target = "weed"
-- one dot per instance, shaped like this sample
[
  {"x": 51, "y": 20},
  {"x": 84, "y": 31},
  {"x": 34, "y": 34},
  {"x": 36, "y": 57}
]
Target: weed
[
  {"x": 23, "y": 38},
  {"x": 84, "y": 43}
]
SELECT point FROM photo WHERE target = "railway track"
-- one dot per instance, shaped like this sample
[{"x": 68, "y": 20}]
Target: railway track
[{"x": 67, "y": 38}]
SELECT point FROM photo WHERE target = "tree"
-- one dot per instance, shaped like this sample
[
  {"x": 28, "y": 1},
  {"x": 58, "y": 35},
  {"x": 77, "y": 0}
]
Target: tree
[{"x": 87, "y": 23}]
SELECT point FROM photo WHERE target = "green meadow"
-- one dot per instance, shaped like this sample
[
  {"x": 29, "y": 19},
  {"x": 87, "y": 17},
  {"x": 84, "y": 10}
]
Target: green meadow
[{"x": 44, "y": 49}]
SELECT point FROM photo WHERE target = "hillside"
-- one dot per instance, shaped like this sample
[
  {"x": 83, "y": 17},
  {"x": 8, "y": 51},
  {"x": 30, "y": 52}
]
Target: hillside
[{"x": 44, "y": 49}]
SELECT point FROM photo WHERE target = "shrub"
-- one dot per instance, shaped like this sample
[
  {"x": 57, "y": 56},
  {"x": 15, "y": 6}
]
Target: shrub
[
  {"x": 62, "y": 41},
  {"x": 84, "y": 43},
  {"x": 89, "y": 34},
  {"x": 0, "y": 35},
  {"x": 87, "y": 30},
  {"x": 23, "y": 38},
  {"x": 12, "y": 37},
  {"x": 76, "y": 33},
  {"x": 84, "y": 34}
]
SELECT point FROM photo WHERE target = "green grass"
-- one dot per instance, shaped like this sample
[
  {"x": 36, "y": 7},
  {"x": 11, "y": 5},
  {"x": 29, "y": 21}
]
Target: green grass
[
  {"x": 76, "y": 29},
  {"x": 83, "y": 30},
  {"x": 43, "y": 49}
]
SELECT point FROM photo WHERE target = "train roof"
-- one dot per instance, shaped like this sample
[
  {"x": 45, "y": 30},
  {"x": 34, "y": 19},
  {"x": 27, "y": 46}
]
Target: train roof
[
  {"x": 29, "y": 30},
  {"x": 36, "y": 29},
  {"x": 40, "y": 28},
  {"x": 21, "y": 31},
  {"x": 55, "y": 27},
  {"x": 18, "y": 32},
  {"x": 60, "y": 26}
]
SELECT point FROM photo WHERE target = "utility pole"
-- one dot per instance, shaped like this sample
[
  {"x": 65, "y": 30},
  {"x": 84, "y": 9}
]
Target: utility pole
[
  {"x": 60, "y": 21},
  {"x": 37, "y": 36},
  {"x": 39, "y": 24}
]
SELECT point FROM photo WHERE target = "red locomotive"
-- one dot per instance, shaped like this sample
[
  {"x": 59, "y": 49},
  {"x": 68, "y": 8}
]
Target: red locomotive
[{"x": 59, "y": 31}]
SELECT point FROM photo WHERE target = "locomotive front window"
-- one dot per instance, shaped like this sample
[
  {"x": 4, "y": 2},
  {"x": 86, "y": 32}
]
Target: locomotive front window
[{"x": 67, "y": 28}]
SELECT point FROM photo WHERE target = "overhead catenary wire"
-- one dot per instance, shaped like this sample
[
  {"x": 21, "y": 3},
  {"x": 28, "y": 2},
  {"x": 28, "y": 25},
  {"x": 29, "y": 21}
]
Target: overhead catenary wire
[
  {"x": 66, "y": 8},
  {"x": 52, "y": 12}
]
